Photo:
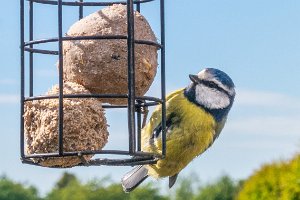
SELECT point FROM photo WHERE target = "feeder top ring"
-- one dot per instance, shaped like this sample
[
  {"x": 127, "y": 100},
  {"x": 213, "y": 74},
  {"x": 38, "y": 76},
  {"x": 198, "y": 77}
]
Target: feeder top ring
[{"x": 78, "y": 3}]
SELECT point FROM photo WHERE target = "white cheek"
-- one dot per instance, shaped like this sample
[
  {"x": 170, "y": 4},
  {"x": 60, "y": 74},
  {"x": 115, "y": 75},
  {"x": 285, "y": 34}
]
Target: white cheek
[{"x": 211, "y": 98}]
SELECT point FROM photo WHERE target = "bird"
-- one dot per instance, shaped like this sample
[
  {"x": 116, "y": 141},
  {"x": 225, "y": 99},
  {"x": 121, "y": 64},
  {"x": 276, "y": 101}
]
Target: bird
[{"x": 195, "y": 116}]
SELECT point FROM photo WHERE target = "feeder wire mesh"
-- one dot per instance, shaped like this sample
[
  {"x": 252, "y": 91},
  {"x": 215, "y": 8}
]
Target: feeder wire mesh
[{"x": 135, "y": 104}]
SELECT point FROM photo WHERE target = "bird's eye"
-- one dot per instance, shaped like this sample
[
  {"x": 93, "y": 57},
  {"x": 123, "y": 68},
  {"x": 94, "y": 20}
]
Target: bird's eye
[{"x": 211, "y": 84}]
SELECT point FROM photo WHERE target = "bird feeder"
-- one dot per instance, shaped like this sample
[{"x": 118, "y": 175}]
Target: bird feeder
[{"x": 136, "y": 106}]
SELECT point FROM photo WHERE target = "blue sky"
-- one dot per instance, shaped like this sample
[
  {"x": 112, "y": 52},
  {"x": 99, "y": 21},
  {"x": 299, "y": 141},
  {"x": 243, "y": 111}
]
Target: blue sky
[{"x": 256, "y": 42}]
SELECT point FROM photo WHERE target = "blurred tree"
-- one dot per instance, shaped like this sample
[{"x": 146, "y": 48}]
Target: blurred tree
[
  {"x": 185, "y": 189},
  {"x": 147, "y": 192},
  {"x": 114, "y": 191},
  {"x": 99, "y": 191},
  {"x": 278, "y": 180},
  {"x": 10, "y": 190},
  {"x": 68, "y": 187},
  {"x": 222, "y": 189},
  {"x": 290, "y": 182},
  {"x": 65, "y": 180}
]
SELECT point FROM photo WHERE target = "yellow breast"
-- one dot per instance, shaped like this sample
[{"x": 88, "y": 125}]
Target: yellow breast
[{"x": 190, "y": 135}]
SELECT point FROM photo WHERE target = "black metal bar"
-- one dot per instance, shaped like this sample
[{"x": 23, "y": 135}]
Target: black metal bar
[
  {"x": 126, "y": 162},
  {"x": 138, "y": 6},
  {"x": 163, "y": 81},
  {"x": 93, "y": 37},
  {"x": 31, "y": 46},
  {"x": 151, "y": 104},
  {"x": 145, "y": 114},
  {"x": 41, "y": 41},
  {"x": 76, "y": 153},
  {"x": 91, "y": 96},
  {"x": 80, "y": 10},
  {"x": 114, "y": 106},
  {"x": 131, "y": 74},
  {"x": 147, "y": 43},
  {"x": 76, "y": 96},
  {"x": 139, "y": 124},
  {"x": 76, "y": 3},
  {"x": 148, "y": 104},
  {"x": 149, "y": 98},
  {"x": 22, "y": 61},
  {"x": 61, "y": 84},
  {"x": 109, "y": 162},
  {"x": 41, "y": 51},
  {"x": 134, "y": 159}
]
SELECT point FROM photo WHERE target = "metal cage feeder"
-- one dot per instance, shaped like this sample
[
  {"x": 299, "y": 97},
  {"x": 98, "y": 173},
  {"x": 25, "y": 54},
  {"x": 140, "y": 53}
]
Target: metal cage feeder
[{"x": 135, "y": 104}]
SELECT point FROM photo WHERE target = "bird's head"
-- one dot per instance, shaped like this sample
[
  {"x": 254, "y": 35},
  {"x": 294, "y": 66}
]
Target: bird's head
[{"x": 212, "y": 89}]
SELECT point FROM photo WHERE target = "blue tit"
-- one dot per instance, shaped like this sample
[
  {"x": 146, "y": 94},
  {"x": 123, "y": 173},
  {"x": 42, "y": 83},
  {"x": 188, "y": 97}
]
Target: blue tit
[{"x": 195, "y": 116}]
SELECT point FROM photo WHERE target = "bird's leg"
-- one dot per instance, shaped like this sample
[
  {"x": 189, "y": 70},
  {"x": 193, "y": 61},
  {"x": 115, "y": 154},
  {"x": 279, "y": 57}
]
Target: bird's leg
[{"x": 145, "y": 112}]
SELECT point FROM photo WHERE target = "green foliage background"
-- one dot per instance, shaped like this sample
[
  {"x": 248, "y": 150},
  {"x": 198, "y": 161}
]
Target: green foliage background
[
  {"x": 275, "y": 181},
  {"x": 278, "y": 180},
  {"x": 16, "y": 191}
]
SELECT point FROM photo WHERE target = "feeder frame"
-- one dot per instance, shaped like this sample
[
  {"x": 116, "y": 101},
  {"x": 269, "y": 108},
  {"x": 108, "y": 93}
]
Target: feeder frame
[{"x": 135, "y": 104}]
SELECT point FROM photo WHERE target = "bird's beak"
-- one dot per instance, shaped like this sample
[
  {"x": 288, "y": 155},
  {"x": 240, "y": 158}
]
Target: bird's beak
[{"x": 194, "y": 78}]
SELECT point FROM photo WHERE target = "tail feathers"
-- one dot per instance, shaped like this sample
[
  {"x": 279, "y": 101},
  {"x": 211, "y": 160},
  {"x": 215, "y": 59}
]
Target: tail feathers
[
  {"x": 172, "y": 180},
  {"x": 134, "y": 178}
]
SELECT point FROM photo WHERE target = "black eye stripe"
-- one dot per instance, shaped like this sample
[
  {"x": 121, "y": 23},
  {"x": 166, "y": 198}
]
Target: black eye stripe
[{"x": 213, "y": 85}]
